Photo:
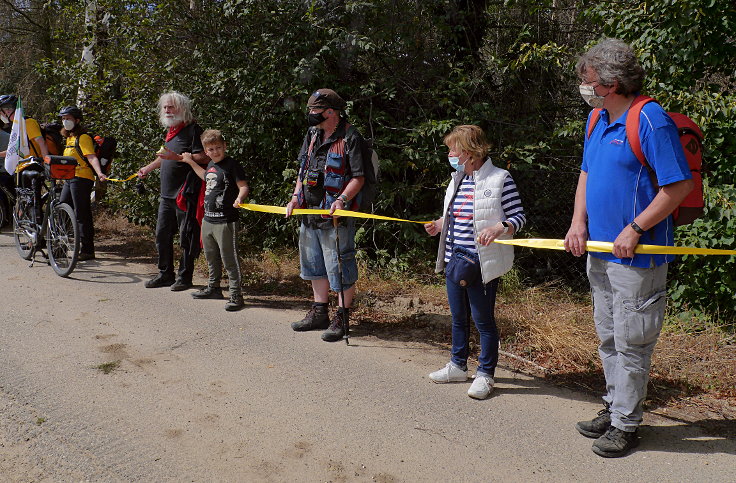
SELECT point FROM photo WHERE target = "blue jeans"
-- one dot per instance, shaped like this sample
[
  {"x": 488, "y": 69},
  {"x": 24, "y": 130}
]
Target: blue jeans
[
  {"x": 480, "y": 301},
  {"x": 318, "y": 255}
]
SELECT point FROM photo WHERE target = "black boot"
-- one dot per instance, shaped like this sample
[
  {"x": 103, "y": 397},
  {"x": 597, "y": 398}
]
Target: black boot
[
  {"x": 596, "y": 427},
  {"x": 235, "y": 303},
  {"x": 337, "y": 327},
  {"x": 208, "y": 293},
  {"x": 317, "y": 318}
]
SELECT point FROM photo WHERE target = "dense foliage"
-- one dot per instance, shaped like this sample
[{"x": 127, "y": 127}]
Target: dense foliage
[{"x": 411, "y": 70}]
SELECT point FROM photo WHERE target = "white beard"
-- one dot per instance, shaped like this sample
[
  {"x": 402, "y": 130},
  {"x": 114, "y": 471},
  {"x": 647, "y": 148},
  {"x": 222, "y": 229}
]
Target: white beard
[{"x": 170, "y": 120}]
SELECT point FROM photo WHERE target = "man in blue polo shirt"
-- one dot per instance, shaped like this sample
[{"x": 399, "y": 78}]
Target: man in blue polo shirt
[{"x": 617, "y": 201}]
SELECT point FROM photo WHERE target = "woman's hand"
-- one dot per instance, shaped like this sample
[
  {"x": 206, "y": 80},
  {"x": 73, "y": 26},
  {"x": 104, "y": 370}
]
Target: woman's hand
[
  {"x": 490, "y": 233},
  {"x": 101, "y": 176},
  {"x": 433, "y": 227}
]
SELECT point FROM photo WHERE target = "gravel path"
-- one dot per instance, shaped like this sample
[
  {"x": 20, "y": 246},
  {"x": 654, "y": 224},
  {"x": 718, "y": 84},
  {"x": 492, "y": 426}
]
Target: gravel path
[{"x": 200, "y": 394}]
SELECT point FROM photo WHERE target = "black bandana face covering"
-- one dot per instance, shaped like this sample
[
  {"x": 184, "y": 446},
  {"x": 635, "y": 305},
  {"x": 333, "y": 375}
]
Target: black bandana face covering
[{"x": 315, "y": 119}]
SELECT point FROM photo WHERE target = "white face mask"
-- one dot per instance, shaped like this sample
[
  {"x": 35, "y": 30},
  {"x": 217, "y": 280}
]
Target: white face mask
[
  {"x": 4, "y": 118},
  {"x": 68, "y": 124},
  {"x": 594, "y": 100}
]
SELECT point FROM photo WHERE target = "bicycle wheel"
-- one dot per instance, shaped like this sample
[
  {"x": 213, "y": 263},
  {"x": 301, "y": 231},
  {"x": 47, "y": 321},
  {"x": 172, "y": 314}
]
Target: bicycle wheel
[
  {"x": 62, "y": 239},
  {"x": 23, "y": 228}
]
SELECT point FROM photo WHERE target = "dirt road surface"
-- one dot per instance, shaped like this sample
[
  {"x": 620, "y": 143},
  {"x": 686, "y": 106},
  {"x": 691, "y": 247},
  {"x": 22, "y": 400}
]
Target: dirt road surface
[{"x": 200, "y": 394}]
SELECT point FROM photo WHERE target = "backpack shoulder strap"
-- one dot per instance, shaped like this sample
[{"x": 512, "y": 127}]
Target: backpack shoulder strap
[
  {"x": 633, "y": 120},
  {"x": 592, "y": 121},
  {"x": 78, "y": 148}
]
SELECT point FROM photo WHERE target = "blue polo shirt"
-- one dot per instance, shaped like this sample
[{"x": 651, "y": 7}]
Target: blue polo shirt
[{"x": 619, "y": 187}]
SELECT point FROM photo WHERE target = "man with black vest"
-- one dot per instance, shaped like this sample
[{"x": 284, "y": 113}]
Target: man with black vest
[
  {"x": 183, "y": 136},
  {"x": 331, "y": 175}
]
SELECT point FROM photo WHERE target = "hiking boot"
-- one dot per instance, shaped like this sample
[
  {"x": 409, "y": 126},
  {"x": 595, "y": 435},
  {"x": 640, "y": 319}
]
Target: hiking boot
[
  {"x": 615, "y": 443},
  {"x": 449, "y": 373},
  {"x": 596, "y": 427},
  {"x": 235, "y": 303},
  {"x": 83, "y": 257},
  {"x": 481, "y": 387},
  {"x": 160, "y": 281},
  {"x": 336, "y": 329},
  {"x": 181, "y": 285},
  {"x": 208, "y": 293},
  {"x": 316, "y": 319}
]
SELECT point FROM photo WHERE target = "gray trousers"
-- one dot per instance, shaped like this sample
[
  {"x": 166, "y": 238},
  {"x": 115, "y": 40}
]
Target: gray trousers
[
  {"x": 220, "y": 245},
  {"x": 628, "y": 310}
]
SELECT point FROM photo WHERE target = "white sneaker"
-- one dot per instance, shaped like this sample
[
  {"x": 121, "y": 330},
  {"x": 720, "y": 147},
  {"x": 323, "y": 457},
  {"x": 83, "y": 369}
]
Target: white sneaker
[
  {"x": 449, "y": 373},
  {"x": 481, "y": 387}
]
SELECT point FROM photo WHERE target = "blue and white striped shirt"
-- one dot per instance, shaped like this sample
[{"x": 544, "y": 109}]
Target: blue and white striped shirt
[{"x": 461, "y": 222}]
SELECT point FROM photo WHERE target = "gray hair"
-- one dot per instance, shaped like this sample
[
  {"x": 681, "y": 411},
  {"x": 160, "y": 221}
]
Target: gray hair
[
  {"x": 182, "y": 104},
  {"x": 613, "y": 60}
]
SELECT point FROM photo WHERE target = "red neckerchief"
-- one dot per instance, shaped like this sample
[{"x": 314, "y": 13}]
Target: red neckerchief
[{"x": 173, "y": 131}]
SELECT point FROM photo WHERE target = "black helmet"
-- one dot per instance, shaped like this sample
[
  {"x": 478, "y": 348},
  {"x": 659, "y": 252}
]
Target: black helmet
[
  {"x": 8, "y": 99},
  {"x": 73, "y": 111}
]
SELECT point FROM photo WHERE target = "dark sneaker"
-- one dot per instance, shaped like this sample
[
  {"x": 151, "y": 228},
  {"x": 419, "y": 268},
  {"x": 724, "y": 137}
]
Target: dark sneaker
[
  {"x": 235, "y": 303},
  {"x": 83, "y": 257},
  {"x": 316, "y": 319},
  {"x": 596, "y": 427},
  {"x": 336, "y": 330},
  {"x": 209, "y": 293},
  {"x": 615, "y": 443},
  {"x": 159, "y": 281},
  {"x": 181, "y": 285}
]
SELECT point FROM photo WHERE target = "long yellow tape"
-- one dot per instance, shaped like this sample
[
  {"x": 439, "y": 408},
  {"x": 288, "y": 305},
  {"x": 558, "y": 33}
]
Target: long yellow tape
[
  {"x": 598, "y": 246},
  {"x": 280, "y": 210},
  {"x": 545, "y": 243},
  {"x": 123, "y": 180}
]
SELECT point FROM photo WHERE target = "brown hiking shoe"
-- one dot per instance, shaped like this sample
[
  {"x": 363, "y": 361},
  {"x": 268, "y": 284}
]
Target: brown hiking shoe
[
  {"x": 317, "y": 318},
  {"x": 336, "y": 329}
]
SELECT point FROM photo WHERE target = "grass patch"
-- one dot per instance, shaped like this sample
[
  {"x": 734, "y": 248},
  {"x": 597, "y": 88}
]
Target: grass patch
[
  {"x": 40, "y": 421},
  {"x": 108, "y": 367}
]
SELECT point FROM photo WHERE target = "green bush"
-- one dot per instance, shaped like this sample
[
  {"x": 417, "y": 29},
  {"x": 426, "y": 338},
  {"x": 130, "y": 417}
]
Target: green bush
[{"x": 708, "y": 283}]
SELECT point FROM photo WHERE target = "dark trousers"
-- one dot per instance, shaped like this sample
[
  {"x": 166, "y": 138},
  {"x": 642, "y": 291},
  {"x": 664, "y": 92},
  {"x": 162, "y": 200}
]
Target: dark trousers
[
  {"x": 480, "y": 301},
  {"x": 76, "y": 193},
  {"x": 170, "y": 221}
]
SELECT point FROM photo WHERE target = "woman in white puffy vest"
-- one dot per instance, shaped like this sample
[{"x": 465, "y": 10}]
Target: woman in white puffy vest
[{"x": 481, "y": 205}]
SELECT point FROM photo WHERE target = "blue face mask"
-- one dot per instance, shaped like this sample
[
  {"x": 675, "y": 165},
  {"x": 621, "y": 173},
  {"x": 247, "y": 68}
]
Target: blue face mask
[{"x": 455, "y": 163}]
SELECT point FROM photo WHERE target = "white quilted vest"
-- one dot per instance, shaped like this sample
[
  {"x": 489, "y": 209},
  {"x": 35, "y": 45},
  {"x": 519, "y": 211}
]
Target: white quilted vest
[{"x": 495, "y": 259}]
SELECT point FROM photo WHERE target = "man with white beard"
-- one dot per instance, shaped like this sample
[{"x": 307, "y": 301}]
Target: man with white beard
[{"x": 183, "y": 136}]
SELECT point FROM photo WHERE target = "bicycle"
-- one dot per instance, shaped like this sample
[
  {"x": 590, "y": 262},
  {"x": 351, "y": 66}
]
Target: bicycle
[{"x": 38, "y": 213}]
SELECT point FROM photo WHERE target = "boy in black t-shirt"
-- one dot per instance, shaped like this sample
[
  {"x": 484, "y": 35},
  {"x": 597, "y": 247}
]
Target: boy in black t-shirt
[{"x": 226, "y": 188}]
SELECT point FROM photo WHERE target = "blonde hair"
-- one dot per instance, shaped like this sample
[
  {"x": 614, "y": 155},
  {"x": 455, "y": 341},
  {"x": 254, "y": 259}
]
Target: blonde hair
[
  {"x": 212, "y": 136},
  {"x": 468, "y": 138}
]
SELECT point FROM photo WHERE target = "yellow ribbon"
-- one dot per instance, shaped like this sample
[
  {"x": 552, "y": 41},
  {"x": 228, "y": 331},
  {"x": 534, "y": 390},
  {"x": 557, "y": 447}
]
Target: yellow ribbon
[
  {"x": 280, "y": 210},
  {"x": 598, "y": 246},
  {"x": 123, "y": 180},
  {"x": 545, "y": 243}
]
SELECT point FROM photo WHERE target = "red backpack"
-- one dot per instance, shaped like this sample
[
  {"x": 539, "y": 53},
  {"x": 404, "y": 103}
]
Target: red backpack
[{"x": 691, "y": 138}]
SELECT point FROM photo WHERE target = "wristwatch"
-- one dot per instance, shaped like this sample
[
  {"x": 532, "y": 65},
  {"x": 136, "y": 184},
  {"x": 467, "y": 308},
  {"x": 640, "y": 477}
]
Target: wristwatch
[
  {"x": 506, "y": 227},
  {"x": 636, "y": 228}
]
